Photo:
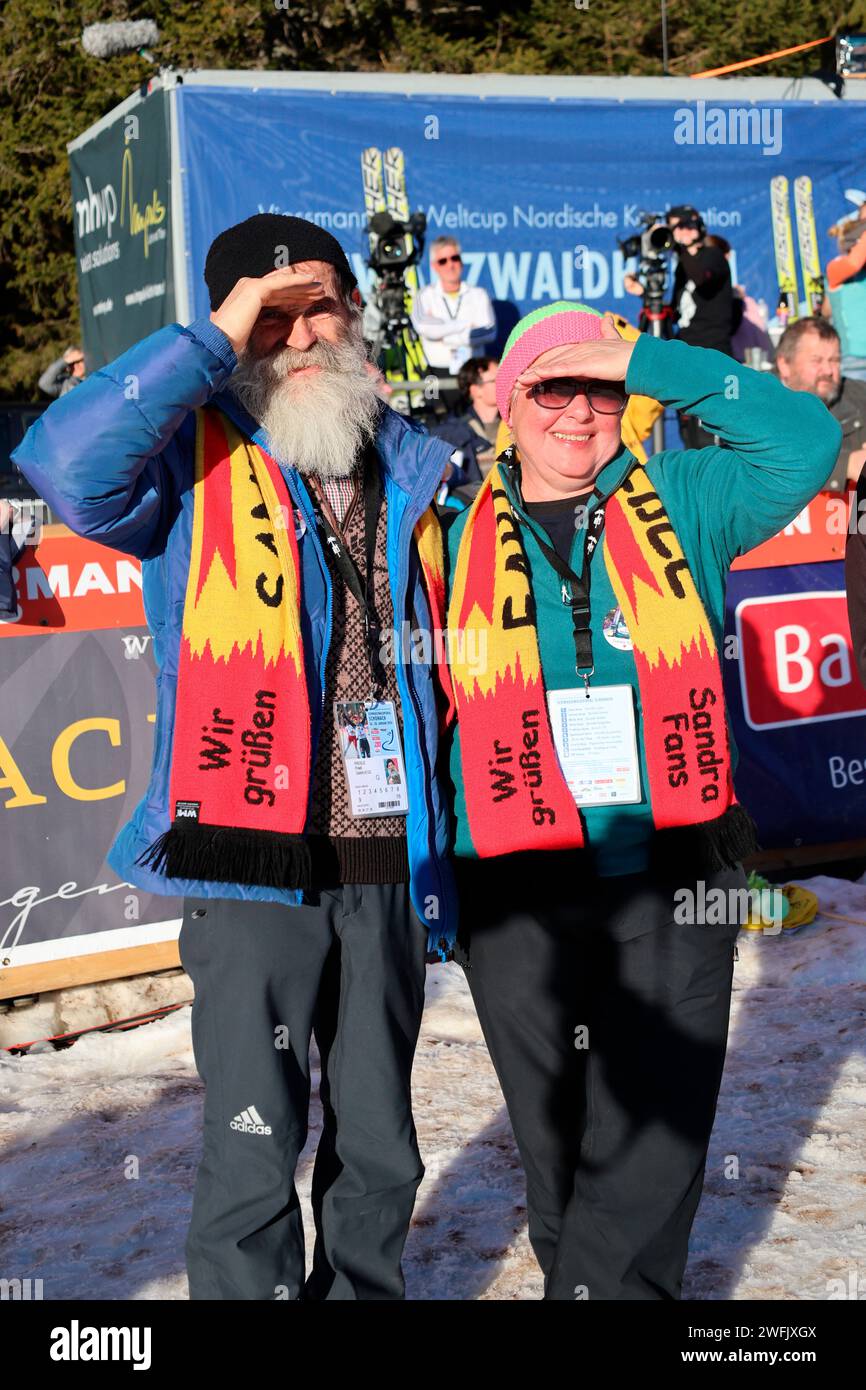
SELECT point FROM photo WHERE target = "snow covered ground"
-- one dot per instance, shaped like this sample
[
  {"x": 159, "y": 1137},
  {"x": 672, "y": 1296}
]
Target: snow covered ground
[{"x": 100, "y": 1143}]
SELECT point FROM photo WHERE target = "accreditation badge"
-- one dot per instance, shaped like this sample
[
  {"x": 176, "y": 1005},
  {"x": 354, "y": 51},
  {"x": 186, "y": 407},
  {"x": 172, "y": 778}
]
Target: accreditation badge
[
  {"x": 595, "y": 736},
  {"x": 372, "y": 757}
]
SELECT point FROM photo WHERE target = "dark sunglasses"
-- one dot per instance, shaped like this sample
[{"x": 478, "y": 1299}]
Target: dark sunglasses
[
  {"x": 447, "y": 260},
  {"x": 604, "y": 397}
]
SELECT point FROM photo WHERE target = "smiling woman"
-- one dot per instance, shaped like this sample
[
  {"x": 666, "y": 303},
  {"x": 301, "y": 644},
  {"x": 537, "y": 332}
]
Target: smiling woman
[
  {"x": 593, "y": 773},
  {"x": 564, "y": 401}
]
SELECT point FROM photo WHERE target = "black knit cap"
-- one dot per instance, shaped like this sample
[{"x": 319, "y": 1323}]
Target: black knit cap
[
  {"x": 684, "y": 212},
  {"x": 255, "y": 247}
]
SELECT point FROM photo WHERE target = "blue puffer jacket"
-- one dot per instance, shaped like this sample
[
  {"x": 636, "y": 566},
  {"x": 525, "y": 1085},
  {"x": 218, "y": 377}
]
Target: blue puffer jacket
[{"x": 115, "y": 460}]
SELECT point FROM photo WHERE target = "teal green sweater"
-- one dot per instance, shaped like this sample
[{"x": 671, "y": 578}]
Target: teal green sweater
[{"x": 781, "y": 448}]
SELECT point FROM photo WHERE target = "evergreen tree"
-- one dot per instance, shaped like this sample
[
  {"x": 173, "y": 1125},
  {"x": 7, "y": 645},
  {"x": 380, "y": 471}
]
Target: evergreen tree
[{"x": 51, "y": 90}]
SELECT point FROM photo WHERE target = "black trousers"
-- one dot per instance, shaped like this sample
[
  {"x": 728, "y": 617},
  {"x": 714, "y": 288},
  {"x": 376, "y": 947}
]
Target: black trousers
[
  {"x": 11, "y": 546},
  {"x": 350, "y": 971},
  {"x": 607, "y": 1024}
]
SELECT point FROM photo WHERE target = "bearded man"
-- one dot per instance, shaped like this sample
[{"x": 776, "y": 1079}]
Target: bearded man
[{"x": 280, "y": 510}]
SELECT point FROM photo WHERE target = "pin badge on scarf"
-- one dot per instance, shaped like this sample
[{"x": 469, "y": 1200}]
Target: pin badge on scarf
[{"x": 615, "y": 631}]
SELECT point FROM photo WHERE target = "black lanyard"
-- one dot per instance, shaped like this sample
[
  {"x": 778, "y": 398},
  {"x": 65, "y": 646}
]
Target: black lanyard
[
  {"x": 448, "y": 306},
  {"x": 361, "y": 586},
  {"x": 574, "y": 588}
]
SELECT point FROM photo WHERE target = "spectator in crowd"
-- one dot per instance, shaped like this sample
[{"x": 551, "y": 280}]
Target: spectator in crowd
[
  {"x": 13, "y": 538},
  {"x": 474, "y": 426},
  {"x": 808, "y": 358},
  {"x": 604, "y": 1007},
  {"x": 846, "y": 304},
  {"x": 300, "y": 906},
  {"x": 476, "y": 382},
  {"x": 64, "y": 374},
  {"x": 703, "y": 300},
  {"x": 641, "y": 412},
  {"x": 452, "y": 319},
  {"x": 846, "y": 300}
]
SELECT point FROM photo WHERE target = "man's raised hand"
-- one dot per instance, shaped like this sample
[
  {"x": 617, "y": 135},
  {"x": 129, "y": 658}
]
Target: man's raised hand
[{"x": 287, "y": 289}]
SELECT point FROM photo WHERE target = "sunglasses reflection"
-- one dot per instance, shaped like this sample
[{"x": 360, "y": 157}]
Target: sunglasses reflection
[{"x": 603, "y": 397}]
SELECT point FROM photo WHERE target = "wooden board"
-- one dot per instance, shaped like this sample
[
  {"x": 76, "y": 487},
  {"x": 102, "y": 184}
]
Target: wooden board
[
  {"x": 45, "y": 976},
  {"x": 804, "y": 855}
]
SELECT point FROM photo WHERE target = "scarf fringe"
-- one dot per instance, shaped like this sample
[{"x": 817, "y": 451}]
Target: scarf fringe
[
  {"x": 227, "y": 854},
  {"x": 706, "y": 848},
  {"x": 732, "y": 837}
]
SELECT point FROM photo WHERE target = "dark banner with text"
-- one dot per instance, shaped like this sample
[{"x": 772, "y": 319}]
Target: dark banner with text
[
  {"x": 121, "y": 201},
  {"x": 797, "y": 705},
  {"x": 77, "y": 711}
]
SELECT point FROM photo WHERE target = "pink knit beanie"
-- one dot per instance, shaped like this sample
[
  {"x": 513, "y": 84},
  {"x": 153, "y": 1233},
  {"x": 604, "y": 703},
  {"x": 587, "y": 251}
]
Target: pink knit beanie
[{"x": 556, "y": 325}]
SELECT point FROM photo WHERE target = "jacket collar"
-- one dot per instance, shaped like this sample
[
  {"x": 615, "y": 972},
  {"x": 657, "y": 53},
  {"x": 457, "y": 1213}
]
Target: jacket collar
[
  {"x": 614, "y": 473},
  {"x": 462, "y": 288}
]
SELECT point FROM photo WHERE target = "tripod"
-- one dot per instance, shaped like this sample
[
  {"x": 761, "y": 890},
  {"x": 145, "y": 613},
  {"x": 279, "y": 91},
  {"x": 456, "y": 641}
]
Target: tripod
[
  {"x": 397, "y": 347},
  {"x": 656, "y": 315}
]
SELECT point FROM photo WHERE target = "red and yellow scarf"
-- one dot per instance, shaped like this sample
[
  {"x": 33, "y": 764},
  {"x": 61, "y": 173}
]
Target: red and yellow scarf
[
  {"x": 240, "y": 770},
  {"x": 516, "y": 796}
]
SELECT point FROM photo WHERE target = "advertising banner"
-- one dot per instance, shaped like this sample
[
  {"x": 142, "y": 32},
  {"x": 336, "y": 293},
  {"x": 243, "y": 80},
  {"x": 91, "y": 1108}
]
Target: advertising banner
[
  {"x": 819, "y": 532},
  {"x": 797, "y": 704},
  {"x": 77, "y": 712},
  {"x": 121, "y": 200},
  {"x": 538, "y": 192}
]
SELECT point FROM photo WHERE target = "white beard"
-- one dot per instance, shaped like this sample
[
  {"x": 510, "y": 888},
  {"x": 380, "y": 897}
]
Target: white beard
[{"x": 317, "y": 423}]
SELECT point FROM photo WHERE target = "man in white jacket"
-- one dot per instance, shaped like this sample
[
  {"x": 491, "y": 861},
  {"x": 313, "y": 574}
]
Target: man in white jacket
[{"x": 453, "y": 320}]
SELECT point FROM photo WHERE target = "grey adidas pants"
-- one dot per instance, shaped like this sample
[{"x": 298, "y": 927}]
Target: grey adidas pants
[
  {"x": 350, "y": 971},
  {"x": 612, "y": 1123}
]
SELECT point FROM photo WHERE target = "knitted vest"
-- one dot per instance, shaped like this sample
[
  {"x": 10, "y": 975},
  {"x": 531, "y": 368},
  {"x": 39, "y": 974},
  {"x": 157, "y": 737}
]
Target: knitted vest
[{"x": 354, "y": 849}]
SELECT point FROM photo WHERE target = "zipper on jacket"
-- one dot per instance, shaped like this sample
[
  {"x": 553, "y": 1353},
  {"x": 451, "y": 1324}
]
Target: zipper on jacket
[{"x": 409, "y": 520}]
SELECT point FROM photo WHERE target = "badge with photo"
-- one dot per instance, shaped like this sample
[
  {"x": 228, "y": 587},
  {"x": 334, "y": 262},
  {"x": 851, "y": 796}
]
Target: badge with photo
[{"x": 372, "y": 757}]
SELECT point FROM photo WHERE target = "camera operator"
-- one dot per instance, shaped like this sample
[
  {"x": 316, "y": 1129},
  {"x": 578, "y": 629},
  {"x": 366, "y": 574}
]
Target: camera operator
[
  {"x": 703, "y": 299},
  {"x": 68, "y": 371}
]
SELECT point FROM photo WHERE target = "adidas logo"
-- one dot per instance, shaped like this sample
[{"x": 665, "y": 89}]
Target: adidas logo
[{"x": 249, "y": 1121}]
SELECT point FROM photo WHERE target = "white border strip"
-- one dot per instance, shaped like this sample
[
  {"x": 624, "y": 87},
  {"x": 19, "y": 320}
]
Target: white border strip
[
  {"x": 110, "y": 117},
  {"x": 179, "y": 254},
  {"x": 69, "y": 947},
  {"x": 550, "y": 88},
  {"x": 511, "y": 86}
]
